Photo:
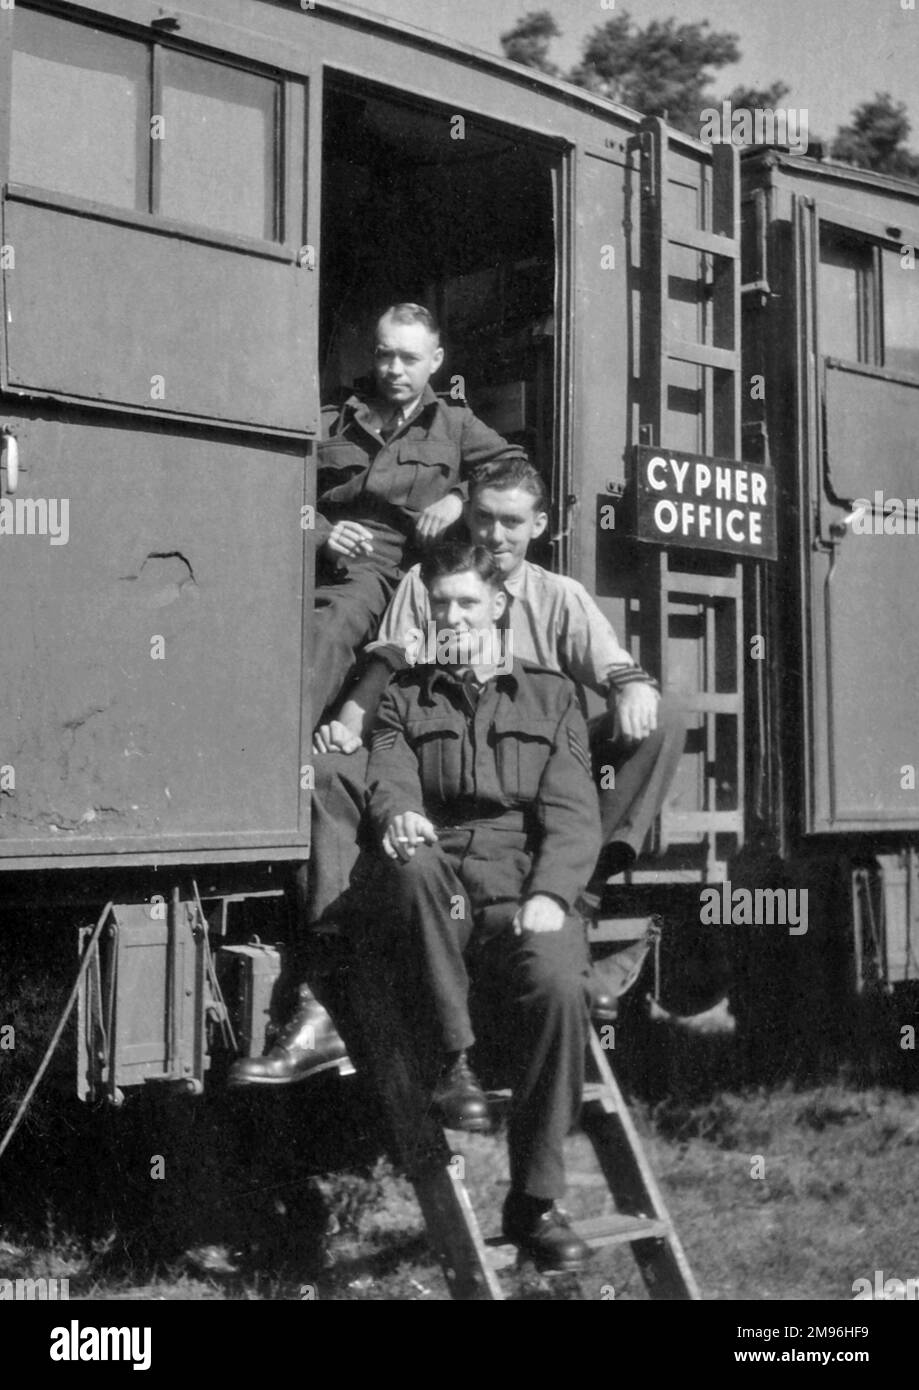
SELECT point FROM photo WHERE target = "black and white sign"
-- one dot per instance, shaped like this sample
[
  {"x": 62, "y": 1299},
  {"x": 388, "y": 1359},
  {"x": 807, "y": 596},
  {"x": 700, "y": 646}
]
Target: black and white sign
[{"x": 705, "y": 503}]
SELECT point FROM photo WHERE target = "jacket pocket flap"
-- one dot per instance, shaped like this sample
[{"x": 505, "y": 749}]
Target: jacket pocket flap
[
  {"x": 433, "y": 453},
  {"x": 438, "y": 725},
  {"x": 513, "y": 722}
]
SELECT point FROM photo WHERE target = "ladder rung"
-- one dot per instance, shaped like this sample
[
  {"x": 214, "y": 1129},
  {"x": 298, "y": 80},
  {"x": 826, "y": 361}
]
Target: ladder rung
[
  {"x": 594, "y": 1091},
  {"x": 703, "y": 355},
  {"x": 698, "y": 875},
  {"x": 599, "y": 1231},
  {"x": 702, "y": 585},
  {"x": 618, "y": 929},
  {"x": 722, "y": 822},
  {"x": 616, "y": 1229},
  {"x": 711, "y": 703},
  {"x": 709, "y": 242}
]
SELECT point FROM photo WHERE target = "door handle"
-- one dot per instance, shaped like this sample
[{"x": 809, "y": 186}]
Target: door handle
[{"x": 10, "y": 457}]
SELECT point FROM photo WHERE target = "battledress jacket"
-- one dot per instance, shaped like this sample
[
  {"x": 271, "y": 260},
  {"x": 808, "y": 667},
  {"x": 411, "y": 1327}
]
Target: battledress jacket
[
  {"x": 516, "y": 757},
  {"x": 387, "y": 485}
]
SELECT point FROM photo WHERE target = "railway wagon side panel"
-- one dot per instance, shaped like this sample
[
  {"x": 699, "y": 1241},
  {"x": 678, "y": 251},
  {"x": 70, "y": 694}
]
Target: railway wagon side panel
[
  {"x": 152, "y": 648},
  {"x": 160, "y": 392},
  {"x": 843, "y": 294}
]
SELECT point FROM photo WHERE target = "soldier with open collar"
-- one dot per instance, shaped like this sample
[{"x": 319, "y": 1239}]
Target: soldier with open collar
[{"x": 391, "y": 473}]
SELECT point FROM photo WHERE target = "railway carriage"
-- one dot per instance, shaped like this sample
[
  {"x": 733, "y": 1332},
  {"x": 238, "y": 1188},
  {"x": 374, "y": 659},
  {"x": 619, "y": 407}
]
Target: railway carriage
[{"x": 713, "y": 360}]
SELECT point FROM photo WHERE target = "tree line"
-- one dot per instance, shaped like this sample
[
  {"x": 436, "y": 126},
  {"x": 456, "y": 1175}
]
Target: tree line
[{"x": 666, "y": 69}]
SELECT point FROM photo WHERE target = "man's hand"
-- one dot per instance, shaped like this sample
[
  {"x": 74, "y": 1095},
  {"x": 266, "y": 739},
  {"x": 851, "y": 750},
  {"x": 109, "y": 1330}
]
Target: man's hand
[
  {"x": 636, "y": 709},
  {"x": 539, "y": 913},
  {"x": 438, "y": 516},
  {"x": 405, "y": 833},
  {"x": 349, "y": 538},
  {"x": 336, "y": 737}
]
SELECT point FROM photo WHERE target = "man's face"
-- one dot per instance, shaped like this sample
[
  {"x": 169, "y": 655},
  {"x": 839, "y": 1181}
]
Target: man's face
[
  {"x": 504, "y": 521},
  {"x": 406, "y": 355},
  {"x": 462, "y": 604}
]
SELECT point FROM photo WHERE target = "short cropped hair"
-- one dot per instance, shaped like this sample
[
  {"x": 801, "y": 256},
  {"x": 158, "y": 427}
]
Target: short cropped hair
[
  {"x": 411, "y": 313},
  {"x": 459, "y": 557},
  {"x": 508, "y": 473}
]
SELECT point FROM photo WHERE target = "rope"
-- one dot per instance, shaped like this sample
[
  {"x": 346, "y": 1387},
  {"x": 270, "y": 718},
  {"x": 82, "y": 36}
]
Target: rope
[
  {"x": 62, "y": 1024},
  {"x": 226, "y": 1027}
]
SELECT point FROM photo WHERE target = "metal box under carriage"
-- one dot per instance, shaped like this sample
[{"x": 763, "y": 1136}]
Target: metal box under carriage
[{"x": 203, "y": 208}]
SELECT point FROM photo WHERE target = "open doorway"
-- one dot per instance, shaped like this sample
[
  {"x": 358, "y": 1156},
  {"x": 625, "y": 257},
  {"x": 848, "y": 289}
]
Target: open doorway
[{"x": 418, "y": 208}]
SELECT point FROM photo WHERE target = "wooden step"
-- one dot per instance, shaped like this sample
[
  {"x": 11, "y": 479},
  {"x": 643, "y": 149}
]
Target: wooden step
[{"x": 598, "y": 1232}]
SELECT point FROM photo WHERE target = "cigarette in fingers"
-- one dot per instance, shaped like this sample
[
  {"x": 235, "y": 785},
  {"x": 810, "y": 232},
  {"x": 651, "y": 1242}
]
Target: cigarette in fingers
[{"x": 402, "y": 840}]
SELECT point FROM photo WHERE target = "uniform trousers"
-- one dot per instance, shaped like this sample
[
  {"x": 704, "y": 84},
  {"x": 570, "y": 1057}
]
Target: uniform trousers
[
  {"x": 349, "y": 601},
  {"x": 331, "y": 884},
  {"x": 446, "y": 922}
]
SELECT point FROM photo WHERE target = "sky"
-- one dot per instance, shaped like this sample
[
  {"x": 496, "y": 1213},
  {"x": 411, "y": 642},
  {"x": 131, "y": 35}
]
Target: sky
[{"x": 833, "y": 54}]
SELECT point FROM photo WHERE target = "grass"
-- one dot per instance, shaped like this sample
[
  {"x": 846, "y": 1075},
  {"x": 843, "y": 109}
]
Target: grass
[{"x": 777, "y": 1195}]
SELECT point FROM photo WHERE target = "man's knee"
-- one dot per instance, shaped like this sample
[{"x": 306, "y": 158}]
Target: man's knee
[
  {"x": 667, "y": 739},
  {"x": 554, "y": 970},
  {"x": 425, "y": 876},
  {"x": 335, "y": 773},
  {"x": 672, "y": 719}
]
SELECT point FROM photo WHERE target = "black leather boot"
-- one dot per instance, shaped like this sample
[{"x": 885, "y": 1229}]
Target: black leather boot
[
  {"x": 604, "y": 1006},
  {"x": 543, "y": 1230},
  {"x": 309, "y": 1044},
  {"x": 460, "y": 1099}
]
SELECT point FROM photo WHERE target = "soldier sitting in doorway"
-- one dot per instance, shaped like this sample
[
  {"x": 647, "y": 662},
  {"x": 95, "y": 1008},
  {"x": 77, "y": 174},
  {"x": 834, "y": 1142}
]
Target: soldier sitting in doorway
[
  {"x": 554, "y": 623},
  {"x": 481, "y": 798},
  {"x": 391, "y": 474}
]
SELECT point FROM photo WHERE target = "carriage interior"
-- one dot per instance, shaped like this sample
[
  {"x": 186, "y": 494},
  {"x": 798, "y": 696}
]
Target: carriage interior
[{"x": 456, "y": 217}]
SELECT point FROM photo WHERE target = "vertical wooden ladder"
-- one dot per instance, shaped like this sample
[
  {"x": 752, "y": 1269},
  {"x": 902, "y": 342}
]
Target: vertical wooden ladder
[{"x": 668, "y": 589}]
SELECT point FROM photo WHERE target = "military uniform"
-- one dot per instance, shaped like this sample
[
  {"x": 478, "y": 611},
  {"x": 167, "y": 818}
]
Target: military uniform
[
  {"x": 555, "y": 624},
  {"x": 504, "y": 775},
  {"x": 385, "y": 483}
]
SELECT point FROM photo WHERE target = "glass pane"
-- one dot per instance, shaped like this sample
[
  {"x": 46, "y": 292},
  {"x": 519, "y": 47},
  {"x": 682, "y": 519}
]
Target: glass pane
[
  {"x": 901, "y": 314},
  {"x": 844, "y": 278},
  {"x": 218, "y": 147},
  {"x": 79, "y": 110}
]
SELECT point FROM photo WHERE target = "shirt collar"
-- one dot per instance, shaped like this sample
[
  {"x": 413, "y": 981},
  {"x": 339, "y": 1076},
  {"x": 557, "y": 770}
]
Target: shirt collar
[
  {"x": 361, "y": 402},
  {"x": 433, "y": 675}
]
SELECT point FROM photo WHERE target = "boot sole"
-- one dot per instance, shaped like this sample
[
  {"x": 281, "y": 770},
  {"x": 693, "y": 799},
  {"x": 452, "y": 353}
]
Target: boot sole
[
  {"x": 561, "y": 1267},
  {"x": 343, "y": 1064},
  {"x": 483, "y": 1126}
]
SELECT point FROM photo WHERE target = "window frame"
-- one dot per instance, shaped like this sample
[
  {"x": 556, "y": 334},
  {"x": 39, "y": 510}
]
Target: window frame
[
  {"x": 841, "y": 226},
  {"x": 291, "y": 139}
]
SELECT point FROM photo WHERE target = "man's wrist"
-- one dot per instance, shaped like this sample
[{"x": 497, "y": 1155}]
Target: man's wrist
[{"x": 552, "y": 897}]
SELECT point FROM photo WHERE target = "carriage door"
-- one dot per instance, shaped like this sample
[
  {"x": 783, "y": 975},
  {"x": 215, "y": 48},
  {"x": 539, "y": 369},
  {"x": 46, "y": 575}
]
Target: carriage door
[
  {"x": 159, "y": 392},
  {"x": 859, "y": 396}
]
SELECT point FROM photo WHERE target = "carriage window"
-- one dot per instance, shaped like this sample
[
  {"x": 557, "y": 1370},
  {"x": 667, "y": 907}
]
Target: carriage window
[
  {"x": 79, "y": 111},
  {"x": 847, "y": 299},
  {"x": 218, "y": 148},
  {"x": 83, "y": 125},
  {"x": 901, "y": 312}
]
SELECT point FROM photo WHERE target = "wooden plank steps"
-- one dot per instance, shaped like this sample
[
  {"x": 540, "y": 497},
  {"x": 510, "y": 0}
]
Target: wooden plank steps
[{"x": 469, "y": 1261}]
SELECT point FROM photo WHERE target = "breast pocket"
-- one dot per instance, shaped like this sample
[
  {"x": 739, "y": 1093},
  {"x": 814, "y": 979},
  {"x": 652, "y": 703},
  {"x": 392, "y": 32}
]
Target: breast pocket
[
  {"x": 522, "y": 749},
  {"x": 438, "y": 745},
  {"x": 427, "y": 470},
  {"x": 340, "y": 465}
]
